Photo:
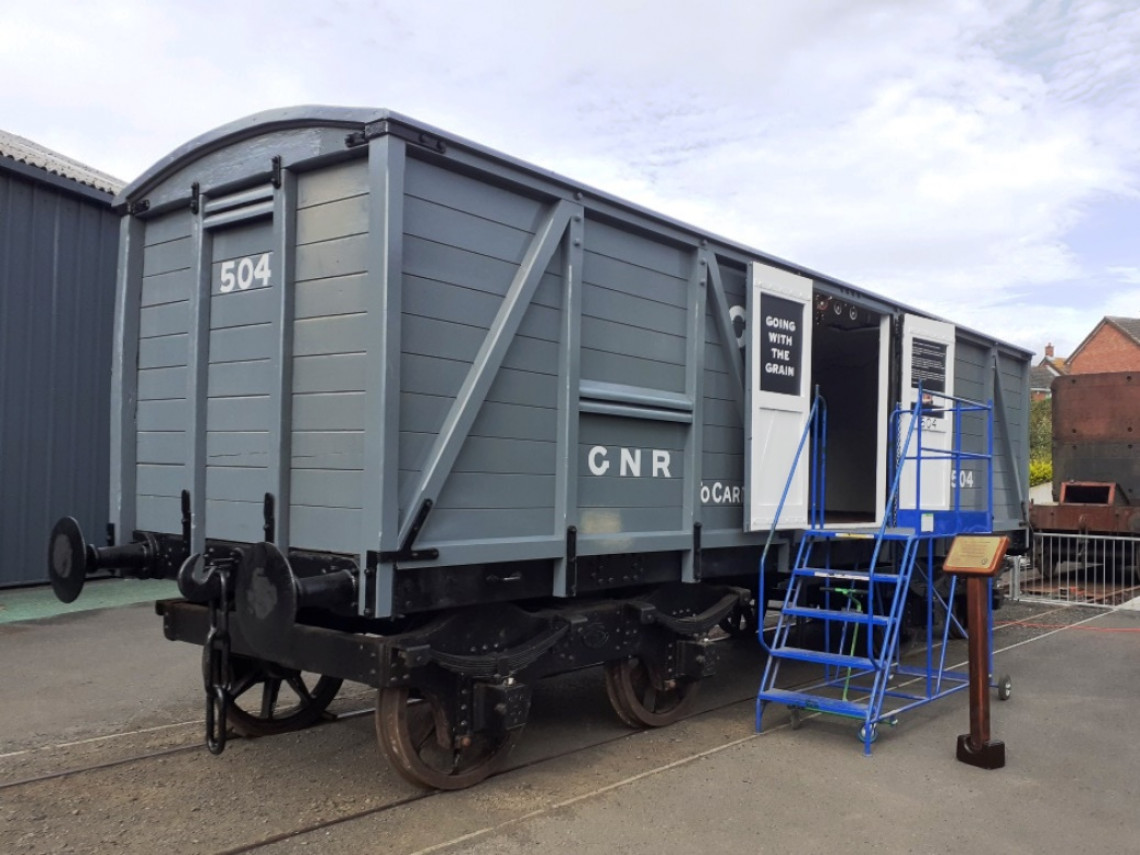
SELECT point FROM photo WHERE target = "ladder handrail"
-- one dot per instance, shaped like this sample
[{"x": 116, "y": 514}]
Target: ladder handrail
[{"x": 818, "y": 406}]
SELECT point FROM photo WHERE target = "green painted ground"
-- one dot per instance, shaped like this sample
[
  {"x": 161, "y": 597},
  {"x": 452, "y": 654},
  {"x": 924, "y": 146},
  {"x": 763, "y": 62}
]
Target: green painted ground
[{"x": 21, "y": 604}]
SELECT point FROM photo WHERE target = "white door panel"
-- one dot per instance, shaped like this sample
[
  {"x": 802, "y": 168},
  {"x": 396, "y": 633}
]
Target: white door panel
[
  {"x": 779, "y": 395},
  {"x": 927, "y": 358}
]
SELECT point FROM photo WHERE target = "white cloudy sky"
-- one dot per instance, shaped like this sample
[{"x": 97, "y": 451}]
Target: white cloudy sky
[{"x": 980, "y": 160}]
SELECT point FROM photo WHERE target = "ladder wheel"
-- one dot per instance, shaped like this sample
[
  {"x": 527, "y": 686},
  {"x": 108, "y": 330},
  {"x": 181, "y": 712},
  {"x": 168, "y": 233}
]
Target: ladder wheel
[
  {"x": 1004, "y": 688},
  {"x": 874, "y": 733},
  {"x": 795, "y": 719}
]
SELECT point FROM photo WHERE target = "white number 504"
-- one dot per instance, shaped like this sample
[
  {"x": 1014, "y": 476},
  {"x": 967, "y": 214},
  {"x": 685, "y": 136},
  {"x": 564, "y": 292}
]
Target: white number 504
[{"x": 241, "y": 273}]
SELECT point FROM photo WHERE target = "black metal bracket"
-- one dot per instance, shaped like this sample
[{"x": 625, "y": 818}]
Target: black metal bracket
[
  {"x": 386, "y": 127},
  {"x": 269, "y": 514},
  {"x": 406, "y": 552},
  {"x": 139, "y": 207},
  {"x": 572, "y": 560},
  {"x": 195, "y": 197},
  {"x": 187, "y": 518},
  {"x": 275, "y": 175},
  {"x": 696, "y": 550}
]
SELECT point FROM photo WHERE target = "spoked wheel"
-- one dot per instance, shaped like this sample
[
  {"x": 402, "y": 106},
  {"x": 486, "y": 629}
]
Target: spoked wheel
[
  {"x": 269, "y": 699},
  {"x": 642, "y": 697},
  {"x": 415, "y": 737}
]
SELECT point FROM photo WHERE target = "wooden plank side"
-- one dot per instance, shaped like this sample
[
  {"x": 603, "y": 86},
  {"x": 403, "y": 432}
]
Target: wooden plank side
[
  {"x": 339, "y": 295},
  {"x": 331, "y": 183},
  {"x": 328, "y": 449},
  {"x": 327, "y": 488},
  {"x": 340, "y": 257},
  {"x": 506, "y": 491},
  {"x": 331, "y": 220},
  {"x": 450, "y": 189},
  {"x": 173, "y": 286},
  {"x": 336, "y": 411},
  {"x": 171, "y": 318}
]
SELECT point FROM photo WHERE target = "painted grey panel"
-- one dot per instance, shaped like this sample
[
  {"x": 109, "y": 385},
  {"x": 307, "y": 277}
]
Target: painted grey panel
[
  {"x": 336, "y": 334},
  {"x": 162, "y": 415},
  {"x": 159, "y": 513},
  {"x": 167, "y": 257},
  {"x": 627, "y": 521},
  {"x": 249, "y": 448},
  {"x": 603, "y": 239},
  {"x": 161, "y": 447},
  {"x": 241, "y": 308},
  {"x": 334, "y": 411},
  {"x": 340, "y": 295},
  {"x": 328, "y": 450},
  {"x": 240, "y": 379},
  {"x": 233, "y": 520},
  {"x": 465, "y": 525},
  {"x": 338, "y": 372},
  {"x": 631, "y": 371},
  {"x": 331, "y": 529},
  {"x": 240, "y": 414},
  {"x": 502, "y": 491},
  {"x": 626, "y": 340},
  {"x": 242, "y": 239},
  {"x": 241, "y": 344},
  {"x": 327, "y": 488},
  {"x": 465, "y": 231},
  {"x": 162, "y": 352},
  {"x": 235, "y": 483},
  {"x": 171, "y": 287},
  {"x": 624, "y": 275},
  {"x": 157, "y": 384},
  {"x": 167, "y": 228},
  {"x": 500, "y": 455},
  {"x": 429, "y": 260},
  {"x": 466, "y": 193},
  {"x": 167, "y": 319},
  {"x": 429, "y": 299},
  {"x": 332, "y": 258},
  {"x": 155, "y": 480},
  {"x": 338, "y": 181},
  {"x": 331, "y": 220}
]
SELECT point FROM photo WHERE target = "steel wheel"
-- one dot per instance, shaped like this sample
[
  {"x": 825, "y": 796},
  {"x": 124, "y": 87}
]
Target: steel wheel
[
  {"x": 415, "y": 737},
  {"x": 268, "y": 699},
  {"x": 643, "y": 698}
]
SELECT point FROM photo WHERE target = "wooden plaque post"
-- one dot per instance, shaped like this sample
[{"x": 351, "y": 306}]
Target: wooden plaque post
[{"x": 976, "y": 558}]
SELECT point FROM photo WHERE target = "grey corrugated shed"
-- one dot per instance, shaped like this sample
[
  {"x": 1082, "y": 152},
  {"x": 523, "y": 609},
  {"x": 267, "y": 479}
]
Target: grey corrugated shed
[{"x": 58, "y": 248}]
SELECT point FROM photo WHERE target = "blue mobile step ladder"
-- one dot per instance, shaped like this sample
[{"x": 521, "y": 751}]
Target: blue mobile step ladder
[{"x": 859, "y": 609}]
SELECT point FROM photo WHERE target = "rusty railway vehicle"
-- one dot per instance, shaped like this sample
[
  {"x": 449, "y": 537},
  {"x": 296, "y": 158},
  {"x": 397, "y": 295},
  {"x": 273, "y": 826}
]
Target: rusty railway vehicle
[
  {"x": 1096, "y": 476},
  {"x": 398, "y": 409}
]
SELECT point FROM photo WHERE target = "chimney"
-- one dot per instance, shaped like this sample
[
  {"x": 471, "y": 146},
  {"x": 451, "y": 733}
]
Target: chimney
[{"x": 1049, "y": 350}]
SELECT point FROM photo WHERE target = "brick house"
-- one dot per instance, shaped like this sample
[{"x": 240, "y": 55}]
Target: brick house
[
  {"x": 1113, "y": 345},
  {"x": 1042, "y": 374}
]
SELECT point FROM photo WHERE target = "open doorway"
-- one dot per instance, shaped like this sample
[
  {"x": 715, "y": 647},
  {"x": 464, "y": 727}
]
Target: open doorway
[{"x": 849, "y": 356}]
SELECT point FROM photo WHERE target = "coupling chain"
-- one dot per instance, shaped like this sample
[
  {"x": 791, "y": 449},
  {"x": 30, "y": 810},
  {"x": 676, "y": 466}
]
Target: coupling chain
[{"x": 218, "y": 672}]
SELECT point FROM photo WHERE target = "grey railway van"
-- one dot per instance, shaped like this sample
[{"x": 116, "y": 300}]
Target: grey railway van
[{"x": 404, "y": 394}]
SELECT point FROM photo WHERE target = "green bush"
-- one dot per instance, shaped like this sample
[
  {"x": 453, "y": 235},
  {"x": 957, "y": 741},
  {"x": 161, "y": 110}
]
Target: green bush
[{"x": 1040, "y": 472}]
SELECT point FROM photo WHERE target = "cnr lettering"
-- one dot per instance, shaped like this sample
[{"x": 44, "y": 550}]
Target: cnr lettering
[{"x": 630, "y": 462}]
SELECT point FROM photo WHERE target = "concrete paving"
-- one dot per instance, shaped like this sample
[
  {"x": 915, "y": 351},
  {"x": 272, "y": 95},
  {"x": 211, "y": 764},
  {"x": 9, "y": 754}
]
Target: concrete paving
[{"x": 707, "y": 785}]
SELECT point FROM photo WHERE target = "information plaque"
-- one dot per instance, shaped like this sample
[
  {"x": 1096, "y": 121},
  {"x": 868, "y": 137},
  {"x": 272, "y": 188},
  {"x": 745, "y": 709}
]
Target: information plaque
[{"x": 976, "y": 555}]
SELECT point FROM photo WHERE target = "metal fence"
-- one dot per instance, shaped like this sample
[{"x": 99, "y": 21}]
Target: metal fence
[{"x": 1078, "y": 569}]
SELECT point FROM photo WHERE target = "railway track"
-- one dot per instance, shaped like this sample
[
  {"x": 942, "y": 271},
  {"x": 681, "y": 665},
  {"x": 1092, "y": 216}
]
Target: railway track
[{"x": 98, "y": 779}]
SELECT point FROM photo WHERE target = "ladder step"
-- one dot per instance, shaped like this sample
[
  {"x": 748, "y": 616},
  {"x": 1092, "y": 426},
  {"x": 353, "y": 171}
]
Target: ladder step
[
  {"x": 814, "y": 702},
  {"x": 845, "y": 616},
  {"x": 845, "y": 575},
  {"x": 821, "y": 657}
]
